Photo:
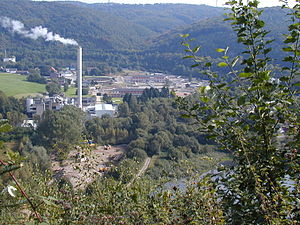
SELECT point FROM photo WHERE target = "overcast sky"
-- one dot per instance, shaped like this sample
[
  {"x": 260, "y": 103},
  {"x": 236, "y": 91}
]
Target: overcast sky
[{"x": 264, "y": 3}]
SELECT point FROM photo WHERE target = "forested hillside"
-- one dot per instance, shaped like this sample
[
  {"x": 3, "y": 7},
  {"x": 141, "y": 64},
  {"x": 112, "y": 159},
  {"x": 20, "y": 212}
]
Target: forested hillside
[
  {"x": 91, "y": 28},
  {"x": 159, "y": 17},
  {"x": 213, "y": 33},
  {"x": 116, "y": 36}
]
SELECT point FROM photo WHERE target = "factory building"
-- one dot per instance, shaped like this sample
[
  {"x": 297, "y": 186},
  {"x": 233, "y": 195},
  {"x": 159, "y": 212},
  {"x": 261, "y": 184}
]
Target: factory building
[
  {"x": 98, "y": 110},
  {"x": 38, "y": 105}
]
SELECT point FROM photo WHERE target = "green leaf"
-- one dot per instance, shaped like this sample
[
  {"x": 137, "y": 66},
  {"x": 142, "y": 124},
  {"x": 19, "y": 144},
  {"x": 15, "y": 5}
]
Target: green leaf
[
  {"x": 184, "y": 35},
  {"x": 290, "y": 39},
  {"x": 284, "y": 78},
  {"x": 195, "y": 65},
  {"x": 9, "y": 168},
  {"x": 195, "y": 107},
  {"x": 221, "y": 85},
  {"x": 234, "y": 61},
  {"x": 185, "y": 44},
  {"x": 245, "y": 75},
  {"x": 260, "y": 23},
  {"x": 241, "y": 100},
  {"x": 222, "y": 64},
  {"x": 296, "y": 84},
  {"x": 185, "y": 116},
  {"x": 188, "y": 57},
  {"x": 5, "y": 128},
  {"x": 202, "y": 89},
  {"x": 208, "y": 64},
  {"x": 288, "y": 59},
  {"x": 288, "y": 49},
  {"x": 196, "y": 49},
  {"x": 220, "y": 50},
  {"x": 266, "y": 51},
  {"x": 204, "y": 99}
]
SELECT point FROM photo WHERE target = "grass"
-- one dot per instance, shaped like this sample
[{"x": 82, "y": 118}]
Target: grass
[
  {"x": 17, "y": 86},
  {"x": 71, "y": 92},
  {"x": 117, "y": 100}
]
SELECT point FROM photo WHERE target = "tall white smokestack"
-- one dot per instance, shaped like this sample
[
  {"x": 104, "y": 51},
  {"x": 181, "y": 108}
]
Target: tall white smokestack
[{"x": 79, "y": 76}]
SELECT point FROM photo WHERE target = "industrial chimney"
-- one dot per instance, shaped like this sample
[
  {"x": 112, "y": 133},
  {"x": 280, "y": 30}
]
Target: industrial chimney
[{"x": 79, "y": 76}]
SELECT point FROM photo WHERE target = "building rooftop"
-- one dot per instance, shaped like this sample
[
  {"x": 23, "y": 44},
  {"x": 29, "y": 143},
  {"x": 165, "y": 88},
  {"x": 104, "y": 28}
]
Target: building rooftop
[{"x": 99, "y": 107}]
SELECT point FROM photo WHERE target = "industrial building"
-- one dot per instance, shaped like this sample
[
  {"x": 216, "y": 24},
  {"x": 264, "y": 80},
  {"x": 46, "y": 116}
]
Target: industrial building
[
  {"x": 98, "y": 110},
  {"x": 38, "y": 105}
]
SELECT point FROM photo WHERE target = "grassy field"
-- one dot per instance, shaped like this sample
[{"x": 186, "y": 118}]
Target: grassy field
[
  {"x": 71, "y": 92},
  {"x": 117, "y": 100},
  {"x": 17, "y": 86}
]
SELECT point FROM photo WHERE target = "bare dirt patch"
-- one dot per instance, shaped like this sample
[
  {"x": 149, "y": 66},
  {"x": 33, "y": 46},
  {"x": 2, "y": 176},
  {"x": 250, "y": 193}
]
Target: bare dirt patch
[{"x": 83, "y": 166}]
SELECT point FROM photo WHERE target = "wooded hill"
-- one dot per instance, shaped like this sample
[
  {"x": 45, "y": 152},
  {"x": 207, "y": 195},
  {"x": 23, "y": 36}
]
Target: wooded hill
[{"x": 116, "y": 36}]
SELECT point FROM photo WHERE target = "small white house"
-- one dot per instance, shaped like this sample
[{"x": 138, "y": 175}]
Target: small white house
[
  {"x": 11, "y": 70},
  {"x": 11, "y": 59}
]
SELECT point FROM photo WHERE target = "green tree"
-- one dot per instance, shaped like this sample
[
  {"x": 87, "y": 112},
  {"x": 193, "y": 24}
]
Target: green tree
[
  {"x": 5, "y": 106},
  {"x": 53, "y": 88},
  {"x": 138, "y": 153},
  {"x": 66, "y": 87},
  {"x": 95, "y": 72},
  {"x": 133, "y": 104},
  {"x": 60, "y": 130},
  {"x": 9, "y": 104},
  {"x": 106, "y": 98},
  {"x": 35, "y": 76},
  {"x": 123, "y": 110},
  {"x": 16, "y": 118},
  {"x": 244, "y": 111}
]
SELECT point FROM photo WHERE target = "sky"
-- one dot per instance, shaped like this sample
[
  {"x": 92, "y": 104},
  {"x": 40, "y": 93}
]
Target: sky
[{"x": 264, "y": 3}]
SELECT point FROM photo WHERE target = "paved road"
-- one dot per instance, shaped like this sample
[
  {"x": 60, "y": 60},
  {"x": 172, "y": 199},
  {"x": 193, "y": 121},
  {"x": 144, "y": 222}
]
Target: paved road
[{"x": 142, "y": 170}]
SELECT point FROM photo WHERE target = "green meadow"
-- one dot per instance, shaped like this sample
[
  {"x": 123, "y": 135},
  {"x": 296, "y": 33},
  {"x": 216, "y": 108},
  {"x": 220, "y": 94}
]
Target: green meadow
[
  {"x": 17, "y": 86},
  {"x": 71, "y": 92}
]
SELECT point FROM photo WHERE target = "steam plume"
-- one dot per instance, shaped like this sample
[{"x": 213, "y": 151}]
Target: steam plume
[{"x": 16, "y": 26}]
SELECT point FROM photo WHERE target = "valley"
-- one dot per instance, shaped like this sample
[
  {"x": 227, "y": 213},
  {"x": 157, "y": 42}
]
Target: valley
[{"x": 106, "y": 108}]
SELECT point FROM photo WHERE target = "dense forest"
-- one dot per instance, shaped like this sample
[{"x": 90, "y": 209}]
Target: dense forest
[{"x": 116, "y": 36}]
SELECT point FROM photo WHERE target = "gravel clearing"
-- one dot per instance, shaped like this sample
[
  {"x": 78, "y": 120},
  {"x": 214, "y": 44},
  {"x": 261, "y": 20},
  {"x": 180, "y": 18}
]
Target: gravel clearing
[{"x": 83, "y": 166}]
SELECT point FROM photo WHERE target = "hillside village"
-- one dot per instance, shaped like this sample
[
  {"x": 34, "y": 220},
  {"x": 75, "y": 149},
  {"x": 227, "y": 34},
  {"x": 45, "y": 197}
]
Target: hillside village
[{"x": 100, "y": 87}]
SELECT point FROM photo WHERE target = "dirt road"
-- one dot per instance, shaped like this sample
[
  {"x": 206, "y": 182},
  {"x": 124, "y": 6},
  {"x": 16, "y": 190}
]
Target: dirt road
[{"x": 141, "y": 171}]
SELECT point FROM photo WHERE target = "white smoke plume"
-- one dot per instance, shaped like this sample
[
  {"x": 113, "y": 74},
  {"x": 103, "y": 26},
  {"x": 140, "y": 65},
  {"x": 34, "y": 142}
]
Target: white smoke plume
[{"x": 16, "y": 26}]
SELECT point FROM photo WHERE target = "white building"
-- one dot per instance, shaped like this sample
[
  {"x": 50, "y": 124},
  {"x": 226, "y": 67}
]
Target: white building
[
  {"x": 11, "y": 70},
  {"x": 38, "y": 105},
  {"x": 99, "y": 110},
  {"x": 68, "y": 74},
  {"x": 29, "y": 123},
  {"x": 11, "y": 59}
]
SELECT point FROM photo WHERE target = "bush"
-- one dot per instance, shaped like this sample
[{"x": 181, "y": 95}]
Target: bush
[{"x": 138, "y": 154}]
